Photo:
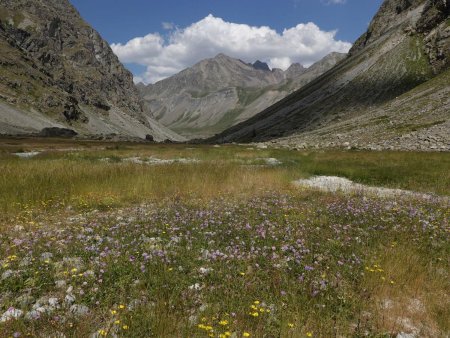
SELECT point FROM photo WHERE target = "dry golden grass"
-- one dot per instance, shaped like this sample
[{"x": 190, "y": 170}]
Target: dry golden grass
[
  {"x": 37, "y": 183},
  {"x": 414, "y": 296}
]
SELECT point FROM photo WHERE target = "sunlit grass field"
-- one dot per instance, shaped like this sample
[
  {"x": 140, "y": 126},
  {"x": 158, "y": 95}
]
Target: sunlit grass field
[
  {"x": 137, "y": 240},
  {"x": 81, "y": 176}
]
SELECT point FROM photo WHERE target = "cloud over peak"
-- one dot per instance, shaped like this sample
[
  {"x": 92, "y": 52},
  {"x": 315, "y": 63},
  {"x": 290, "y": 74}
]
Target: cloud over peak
[{"x": 163, "y": 57}]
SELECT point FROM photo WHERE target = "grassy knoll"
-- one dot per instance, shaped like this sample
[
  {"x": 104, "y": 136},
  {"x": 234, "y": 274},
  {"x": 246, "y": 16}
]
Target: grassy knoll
[{"x": 107, "y": 240}]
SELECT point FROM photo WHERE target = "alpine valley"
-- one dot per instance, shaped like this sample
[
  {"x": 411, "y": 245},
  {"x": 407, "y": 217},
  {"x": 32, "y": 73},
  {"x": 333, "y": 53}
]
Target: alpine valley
[{"x": 218, "y": 93}]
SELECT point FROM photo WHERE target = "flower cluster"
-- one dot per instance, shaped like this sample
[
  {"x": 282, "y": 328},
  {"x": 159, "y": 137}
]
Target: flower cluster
[{"x": 112, "y": 268}]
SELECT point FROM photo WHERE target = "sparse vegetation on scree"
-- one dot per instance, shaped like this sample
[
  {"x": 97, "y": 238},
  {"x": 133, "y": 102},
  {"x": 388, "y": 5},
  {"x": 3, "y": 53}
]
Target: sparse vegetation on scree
[{"x": 130, "y": 240}]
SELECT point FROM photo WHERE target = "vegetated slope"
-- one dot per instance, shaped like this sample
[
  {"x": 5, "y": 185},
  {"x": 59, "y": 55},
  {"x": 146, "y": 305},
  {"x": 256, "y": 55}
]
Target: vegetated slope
[
  {"x": 391, "y": 92},
  {"x": 55, "y": 70},
  {"x": 216, "y": 93}
]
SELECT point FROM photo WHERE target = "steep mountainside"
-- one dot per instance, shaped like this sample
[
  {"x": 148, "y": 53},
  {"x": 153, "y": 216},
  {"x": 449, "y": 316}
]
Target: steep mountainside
[
  {"x": 391, "y": 92},
  {"x": 216, "y": 93},
  {"x": 55, "y": 70}
]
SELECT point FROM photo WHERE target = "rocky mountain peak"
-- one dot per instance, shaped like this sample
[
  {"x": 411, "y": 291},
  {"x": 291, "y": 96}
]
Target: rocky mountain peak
[
  {"x": 294, "y": 70},
  {"x": 261, "y": 66},
  {"x": 221, "y": 57}
]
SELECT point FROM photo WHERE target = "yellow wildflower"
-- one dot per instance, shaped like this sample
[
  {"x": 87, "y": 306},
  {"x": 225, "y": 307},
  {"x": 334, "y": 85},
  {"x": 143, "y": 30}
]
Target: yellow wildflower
[
  {"x": 309, "y": 334},
  {"x": 121, "y": 306},
  {"x": 117, "y": 322},
  {"x": 246, "y": 334},
  {"x": 223, "y": 322},
  {"x": 290, "y": 325},
  {"x": 125, "y": 327},
  {"x": 102, "y": 332}
]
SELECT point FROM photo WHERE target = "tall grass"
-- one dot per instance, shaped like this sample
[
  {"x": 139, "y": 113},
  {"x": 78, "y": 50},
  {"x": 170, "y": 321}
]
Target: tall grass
[
  {"x": 82, "y": 178},
  {"x": 64, "y": 181}
]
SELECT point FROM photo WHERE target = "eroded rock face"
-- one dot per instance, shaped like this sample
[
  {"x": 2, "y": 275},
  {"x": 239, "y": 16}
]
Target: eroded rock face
[
  {"x": 427, "y": 17},
  {"x": 52, "y": 61},
  {"x": 435, "y": 25},
  {"x": 71, "y": 55},
  {"x": 386, "y": 18}
]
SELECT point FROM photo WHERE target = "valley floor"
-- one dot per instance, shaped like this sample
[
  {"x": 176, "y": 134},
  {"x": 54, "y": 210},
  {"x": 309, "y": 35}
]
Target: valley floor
[{"x": 100, "y": 239}]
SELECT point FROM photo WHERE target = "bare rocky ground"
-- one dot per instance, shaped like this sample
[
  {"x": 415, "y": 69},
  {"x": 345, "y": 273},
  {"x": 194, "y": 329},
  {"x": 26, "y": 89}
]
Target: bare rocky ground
[
  {"x": 398, "y": 125},
  {"x": 339, "y": 184}
]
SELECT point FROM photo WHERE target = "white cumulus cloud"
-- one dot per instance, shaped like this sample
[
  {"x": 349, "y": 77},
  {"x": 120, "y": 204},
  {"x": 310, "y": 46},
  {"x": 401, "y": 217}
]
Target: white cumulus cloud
[{"x": 165, "y": 56}]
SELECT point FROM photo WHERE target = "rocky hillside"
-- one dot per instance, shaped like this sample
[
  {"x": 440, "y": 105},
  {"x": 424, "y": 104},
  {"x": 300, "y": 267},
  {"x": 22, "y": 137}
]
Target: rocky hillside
[
  {"x": 391, "y": 92},
  {"x": 56, "y": 71},
  {"x": 217, "y": 93}
]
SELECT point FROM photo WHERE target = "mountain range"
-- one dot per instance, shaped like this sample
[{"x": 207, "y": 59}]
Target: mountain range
[
  {"x": 392, "y": 92},
  {"x": 58, "y": 76},
  {"x": 218, "y": 93}
]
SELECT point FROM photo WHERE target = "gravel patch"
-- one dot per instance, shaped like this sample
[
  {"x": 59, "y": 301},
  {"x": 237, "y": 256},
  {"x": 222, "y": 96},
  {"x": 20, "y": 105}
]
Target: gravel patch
[
  {"x": 155, "y": 161},
  {"x": 344, "y": 185},
  {"x": 27, "y": 154}
]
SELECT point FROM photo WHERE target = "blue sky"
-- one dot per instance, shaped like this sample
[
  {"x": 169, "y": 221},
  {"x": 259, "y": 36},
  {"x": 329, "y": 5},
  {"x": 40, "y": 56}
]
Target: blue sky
[{"x": 156, "y": 38}]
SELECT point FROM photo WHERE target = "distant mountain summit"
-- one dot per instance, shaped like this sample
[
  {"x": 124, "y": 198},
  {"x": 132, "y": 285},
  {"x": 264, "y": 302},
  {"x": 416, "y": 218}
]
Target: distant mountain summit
[
  {"x": 217, "y": 93},
  {"x": 296, "y": 69},
  {"x": 56, "y": 71},
  {"x": 392, "y": 92},
  {"x": 261, "y": 66}
]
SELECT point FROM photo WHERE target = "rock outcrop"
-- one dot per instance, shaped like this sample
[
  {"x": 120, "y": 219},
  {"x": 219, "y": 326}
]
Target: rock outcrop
[{"x": 53, "y": 64}]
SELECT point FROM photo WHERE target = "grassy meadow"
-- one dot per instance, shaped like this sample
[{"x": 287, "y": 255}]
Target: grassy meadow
[{"x": 131, "y": 240}]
